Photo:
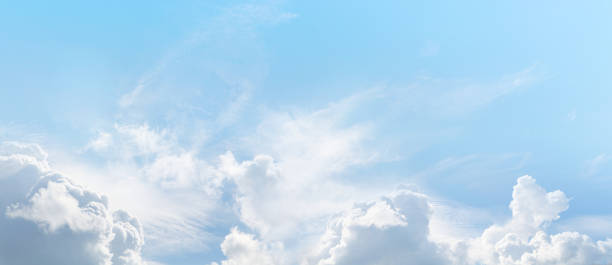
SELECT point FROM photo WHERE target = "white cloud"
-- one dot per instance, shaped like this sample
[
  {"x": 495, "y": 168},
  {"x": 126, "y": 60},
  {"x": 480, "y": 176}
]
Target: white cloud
[
  {"x": 393, "y": 230},
  {"x": 472, "y": 171},
  {"x": 532, "y": 206},
  {"x": 316, "y": 144},
  {"x": 304, "y": 153},
  {"x": 242, "y": 248},
  {"x": 595, "y": 165},
  {"x": 523, "y": 240},
  {"x": 396, "y": 229},
  {"x": 154, "y": 155},
  {"x": 174, "y": 192},
  {"x": 259, "y": 185},
  {"x": 102, "y": 142},
  {"x": 387, "y": 231},
  {"x": 209, "y": 50},
  {"x": 286, "y": 199},
  {"x": 8, "y": 149},
  {"x": 142, "y": 140},
  {"x": 454, "y": 98},
  {"x": 155, "y": 165},
  {"x": 55, "y": 220},
  {"x": 289, "y": 191}
]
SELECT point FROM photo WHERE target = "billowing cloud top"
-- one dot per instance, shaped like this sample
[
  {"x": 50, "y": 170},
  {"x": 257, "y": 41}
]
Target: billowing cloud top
[
  {"x": 396, "y": 230},
  {"x": 47, "y": 219}
]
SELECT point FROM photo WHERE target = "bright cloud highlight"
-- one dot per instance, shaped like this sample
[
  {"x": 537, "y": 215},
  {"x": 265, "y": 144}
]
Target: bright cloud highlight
[{"x": 47, "y": 219}]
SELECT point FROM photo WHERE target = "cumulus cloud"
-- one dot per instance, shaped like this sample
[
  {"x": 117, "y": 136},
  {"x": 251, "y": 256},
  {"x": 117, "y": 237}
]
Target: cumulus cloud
[
  {"x": 242, "y": 248},
  {"x": 297, "y": 158},
  {"x": 396, "y": 229},
  {"x": 307, "y": 148},
  {"x": 260, "y": 184},
  {"x": 393, "y": 230},
  {"x": 523, "y": 239},
  {"x": 289, "y": 200},
  {"x": 47, "y": 219}
]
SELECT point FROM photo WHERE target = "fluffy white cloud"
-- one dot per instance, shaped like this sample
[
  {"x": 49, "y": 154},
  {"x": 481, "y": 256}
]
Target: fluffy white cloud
[
  {"x": 167, "y": 169},
  {"x": 277, "y": 205},
  {"x": 396, "y": 230},
  {"x": 393, "y": 230},
  {"x": 298, "y": 157},
  {"x": 242, "y": 248},
  {"x": 388, "y": 231},
  {"x": 47, "y": 219},
  {"x": 287, "y": 198},
  {"x": 524, "y": 241}
]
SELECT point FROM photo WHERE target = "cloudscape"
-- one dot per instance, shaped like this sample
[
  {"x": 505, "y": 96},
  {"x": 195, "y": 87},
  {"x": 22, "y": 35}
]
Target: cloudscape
[{"x": 305, "y": 132}]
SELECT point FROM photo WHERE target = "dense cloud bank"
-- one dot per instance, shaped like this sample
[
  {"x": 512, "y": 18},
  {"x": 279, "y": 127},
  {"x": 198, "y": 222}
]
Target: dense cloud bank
[
  {"x": 47, "y": 219},
  {"x": 396, "y": 230},
  {"x": 523, "y": 240}
]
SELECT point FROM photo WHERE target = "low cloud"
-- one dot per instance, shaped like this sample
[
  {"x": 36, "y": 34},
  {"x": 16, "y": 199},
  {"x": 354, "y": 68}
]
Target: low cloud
[
  {"x": 60, "y": 222},
  {"x": 396, "y": 229},
  {"x": 523, "y": 239},
  {"x": 47, "y": 219},
  {"x": 242, "y": 248},
  {"x": 392, "y": 230}
]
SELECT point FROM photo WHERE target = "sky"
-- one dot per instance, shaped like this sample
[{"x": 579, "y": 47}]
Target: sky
[{"x": 305, "y": 132}]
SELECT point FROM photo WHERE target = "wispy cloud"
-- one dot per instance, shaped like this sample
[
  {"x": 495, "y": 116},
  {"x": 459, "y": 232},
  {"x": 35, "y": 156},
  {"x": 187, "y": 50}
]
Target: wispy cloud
[
  {"x": 456, "y": 98},
  {"x": 235, "y": 21},
  {"x": 595, "y": 165}
]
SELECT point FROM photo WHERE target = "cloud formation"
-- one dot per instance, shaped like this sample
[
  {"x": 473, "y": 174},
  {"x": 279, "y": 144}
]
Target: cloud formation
[
  {"x": 523, "y": 240},
  {"x": 150, "y": 163},
  {"x": 47, "y": 219},
  {"x": 396, "y": 229},
  {"x": 60, "y": 222},
  {"x": 295, "y": 208},
  {"x": 242, "y": 248},
  {"x": 392, "y": 230}
]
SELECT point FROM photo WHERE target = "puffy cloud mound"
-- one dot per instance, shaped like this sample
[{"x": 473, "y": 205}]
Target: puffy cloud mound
[
  {"x": 396, "y": 230},
  {"x": 242, "y": 248},
  {"x": 523, "y": 240},
  {"x": 393, "y": 230},
  {"x": 47, "y": 219}
]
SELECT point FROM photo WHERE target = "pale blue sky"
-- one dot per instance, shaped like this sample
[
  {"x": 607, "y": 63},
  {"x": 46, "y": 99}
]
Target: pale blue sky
[{"x": 457, "y": 97}]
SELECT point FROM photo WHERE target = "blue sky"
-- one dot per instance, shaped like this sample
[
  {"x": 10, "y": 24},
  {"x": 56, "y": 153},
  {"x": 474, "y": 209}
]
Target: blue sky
[{"x": 178, "y": 103}]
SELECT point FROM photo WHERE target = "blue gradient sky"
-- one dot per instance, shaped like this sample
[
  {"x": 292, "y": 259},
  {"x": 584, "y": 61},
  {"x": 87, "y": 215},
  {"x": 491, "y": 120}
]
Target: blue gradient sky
[{"x": 457, "y": 97}]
